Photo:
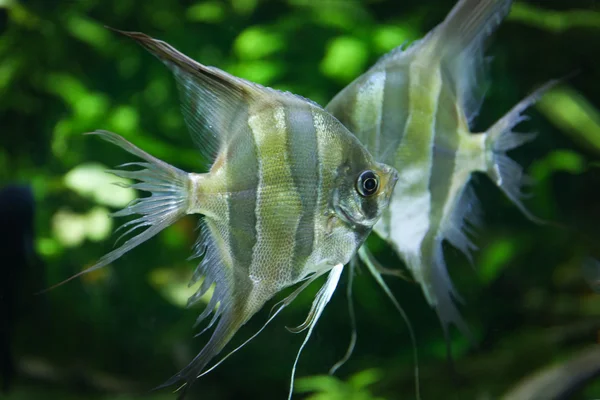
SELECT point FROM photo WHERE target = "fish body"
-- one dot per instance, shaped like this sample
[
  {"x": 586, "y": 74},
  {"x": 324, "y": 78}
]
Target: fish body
[
  {"x": 291, "y": 195},
  {"x": 413, "y": 110}
]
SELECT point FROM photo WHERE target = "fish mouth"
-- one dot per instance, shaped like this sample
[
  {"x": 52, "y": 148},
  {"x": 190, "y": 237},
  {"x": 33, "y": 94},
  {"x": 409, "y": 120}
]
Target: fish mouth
[
  {"x": 341, "y": 212},
  {"x": 344, "y": 216}
]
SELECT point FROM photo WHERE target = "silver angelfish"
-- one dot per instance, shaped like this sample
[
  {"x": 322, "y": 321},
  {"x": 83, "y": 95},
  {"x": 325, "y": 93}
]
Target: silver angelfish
[
  {"x": 412, "y": 110},
  {"x": 290, "y": 196}
]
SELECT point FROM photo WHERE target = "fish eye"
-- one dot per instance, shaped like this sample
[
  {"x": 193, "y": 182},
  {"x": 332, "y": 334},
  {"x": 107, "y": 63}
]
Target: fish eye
[{"x": 367, "y": 183}]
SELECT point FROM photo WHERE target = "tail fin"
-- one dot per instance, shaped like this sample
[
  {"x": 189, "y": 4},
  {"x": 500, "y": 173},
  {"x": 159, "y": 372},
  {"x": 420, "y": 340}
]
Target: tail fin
[
  {"x": 500, "y": 138},
  {"x": 168, "y": 202}
]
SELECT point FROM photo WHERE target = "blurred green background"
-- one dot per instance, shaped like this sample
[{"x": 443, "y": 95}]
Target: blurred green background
[{"x": 119, "y": 332}]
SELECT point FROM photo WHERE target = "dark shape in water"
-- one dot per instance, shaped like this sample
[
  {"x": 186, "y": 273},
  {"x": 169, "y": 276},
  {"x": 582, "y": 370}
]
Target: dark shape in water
[{"x": 17, "y": 210}]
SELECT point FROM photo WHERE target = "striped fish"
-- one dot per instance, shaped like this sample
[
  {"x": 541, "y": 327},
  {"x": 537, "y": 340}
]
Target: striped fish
[
  {"x": 290, "y": 196},
  {"x": 412, "y": 110}
]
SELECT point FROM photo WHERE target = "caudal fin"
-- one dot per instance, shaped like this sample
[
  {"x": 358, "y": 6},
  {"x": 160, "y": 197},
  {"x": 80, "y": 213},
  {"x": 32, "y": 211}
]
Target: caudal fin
[
  {"x": 167, "y": 203},
  {"x": 500, "y": 138}
]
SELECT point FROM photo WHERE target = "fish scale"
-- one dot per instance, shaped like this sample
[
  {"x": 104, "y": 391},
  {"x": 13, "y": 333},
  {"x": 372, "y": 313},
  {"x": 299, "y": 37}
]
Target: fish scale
[{"x": 277, "y": 195}]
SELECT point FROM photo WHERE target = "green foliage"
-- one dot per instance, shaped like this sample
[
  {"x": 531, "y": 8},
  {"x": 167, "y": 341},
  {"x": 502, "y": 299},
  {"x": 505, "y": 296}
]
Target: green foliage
[
  {"x": 555, "y": 21},
  {"x": 345, "y": 58},
  {"x": 124, "y": 329},
  {"x": 572, "y": 113},
  {"x": 328, "y": 387}
]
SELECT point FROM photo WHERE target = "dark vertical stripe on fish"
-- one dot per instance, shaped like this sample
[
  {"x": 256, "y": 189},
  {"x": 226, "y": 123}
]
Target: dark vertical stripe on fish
[
  {"x": 394, "y": 111},
  {"x": 303, "y": 154},
  {"x": 443, "y": 168},
  {"x": 367, "y": 112},
  {"x": 242, "y": 183}
]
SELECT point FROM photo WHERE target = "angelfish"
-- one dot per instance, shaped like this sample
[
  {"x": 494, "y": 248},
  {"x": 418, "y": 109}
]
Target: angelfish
[
  {"x": 290, "y": 196},
  {"x": 413, "y": 110}
]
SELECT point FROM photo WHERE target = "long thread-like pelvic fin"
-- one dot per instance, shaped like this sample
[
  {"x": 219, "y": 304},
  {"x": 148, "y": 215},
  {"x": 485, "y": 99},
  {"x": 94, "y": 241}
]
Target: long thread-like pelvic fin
[
  {"x": 365, "y": 255},
  {"x": 321, "y": 300},
  {"x": 352, "y": 315},
  {"x": 277, "y": 308}
]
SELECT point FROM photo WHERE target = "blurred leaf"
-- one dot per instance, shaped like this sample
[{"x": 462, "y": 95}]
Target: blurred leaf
[
  {"x": 72, "y": 228},
  {"x": 66, "y": 86},
  {"x": 124, "y": 119},
  {"x": 557, "y": 160},
  {"x": 556, "y": 21},
  {"x": 173, "y": 285},
  {"x": 244, "y": 7},
  {"x": 257, "y": 42},
  {"x": 572, "y": 113},
  {"x": 91, "y": 180},
  {"x": 98, "y": 224},
  {"x": 21, "y": 15},
  {"x": 386, "y": 38},
  {"x": 328, "y": 387},
  {"x": 69, "y": 228},
  {"x": 365, "y": 378},
  {"x": 47, "y": 246},
  {"x": 91, "y": 106},
  {"x": 89, "y": 31},
  {"x": 496, "y": 256},
  {"x": 333, "y": 13},
  {"x": 208, "y": 11},
  {"x": 8, "y": 68},
  {"x": 345, "y": 58},
  {"x": 263, "y": 72}
]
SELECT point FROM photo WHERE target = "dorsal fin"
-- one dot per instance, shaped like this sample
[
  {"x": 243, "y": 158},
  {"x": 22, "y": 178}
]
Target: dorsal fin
[
  {"x": 214, "y": 103},
  {"x": 460, "y": 39}
]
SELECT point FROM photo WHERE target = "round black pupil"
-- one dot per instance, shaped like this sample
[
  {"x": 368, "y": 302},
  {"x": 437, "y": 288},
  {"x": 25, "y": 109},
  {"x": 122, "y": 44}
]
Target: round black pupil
[{"x": 369, "y": 184}]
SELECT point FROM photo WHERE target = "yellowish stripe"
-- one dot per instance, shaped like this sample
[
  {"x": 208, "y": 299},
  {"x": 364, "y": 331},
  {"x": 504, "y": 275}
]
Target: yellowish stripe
[{"x": 278, "y": 205}]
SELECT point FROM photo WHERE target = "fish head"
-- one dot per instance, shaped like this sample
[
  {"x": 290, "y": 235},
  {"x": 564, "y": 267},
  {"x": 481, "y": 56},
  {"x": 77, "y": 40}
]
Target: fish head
[{"x": 363, "y": 189}]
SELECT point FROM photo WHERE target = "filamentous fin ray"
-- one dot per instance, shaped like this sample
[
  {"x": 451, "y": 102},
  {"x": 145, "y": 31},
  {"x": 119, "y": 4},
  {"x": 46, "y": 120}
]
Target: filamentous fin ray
[
  {"x": 321, "y": 300},
  {"x": 171, "y": 203},
  {"x": 277, "y": 308},
  {"x": 352, "y": 315},
  {"x": 466, "y": 217},
  {"x": 506, "y": 173},
  {"x": 365, "y": 255},
  {"x": 446, "y": 297}
]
